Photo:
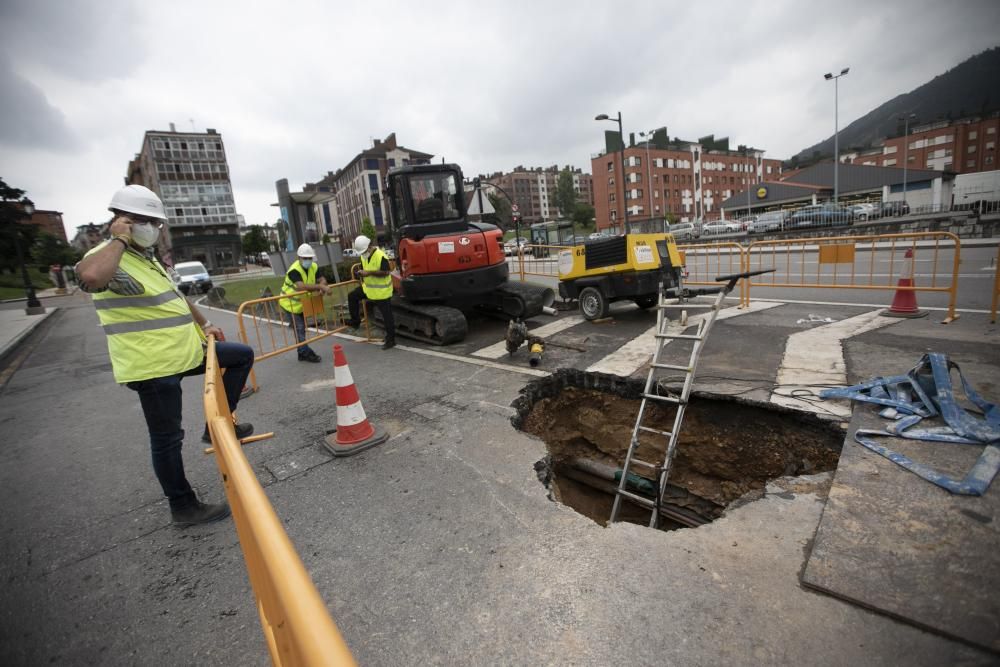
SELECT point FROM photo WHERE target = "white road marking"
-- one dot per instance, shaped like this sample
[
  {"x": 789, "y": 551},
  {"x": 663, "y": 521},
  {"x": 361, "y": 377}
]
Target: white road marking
[
  {"x": 860, "y": 305},
  {"x": 498, "y": 350},
  {"x": 816, "y": 357},
  {"x": 634, "y": 354}
]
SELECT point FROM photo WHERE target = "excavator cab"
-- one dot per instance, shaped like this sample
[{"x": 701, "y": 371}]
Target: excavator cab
[{"x": 426, "y": 200}]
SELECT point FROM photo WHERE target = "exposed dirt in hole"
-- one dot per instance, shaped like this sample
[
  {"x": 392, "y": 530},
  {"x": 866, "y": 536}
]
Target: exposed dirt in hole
[{"x": 728, "y": 446}]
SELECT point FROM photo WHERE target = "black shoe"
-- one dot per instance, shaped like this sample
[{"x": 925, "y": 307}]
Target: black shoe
[
  {"x": 389, "y": 344},
  {"x": 311, "y": 358},
  {"x": 242, "y": 431},
  {"x": 198, "y": 513},
  {"x": 354, "y": 325}
]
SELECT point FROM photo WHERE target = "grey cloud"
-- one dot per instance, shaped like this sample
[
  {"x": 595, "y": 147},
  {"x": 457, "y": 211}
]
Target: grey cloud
[{"x": 27, "y": 120}]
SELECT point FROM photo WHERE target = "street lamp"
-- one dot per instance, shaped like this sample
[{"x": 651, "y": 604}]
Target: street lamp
[
  {"x": 906, "y": 147},
  {"x": 649, "y": 174},
  {"x": 621, "y": 135},
  {"x": 34, "y": 306},
  {"x": 836, "y": 145}
]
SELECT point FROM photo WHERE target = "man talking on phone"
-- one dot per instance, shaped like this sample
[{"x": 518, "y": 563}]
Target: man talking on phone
[{"x": 156, "y": 338}]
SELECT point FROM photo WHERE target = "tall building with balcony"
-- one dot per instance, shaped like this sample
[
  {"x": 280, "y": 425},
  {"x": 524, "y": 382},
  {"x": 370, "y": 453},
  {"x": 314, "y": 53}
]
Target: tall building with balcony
[
  {"x": 190, "y": 173},
  {"x": 533, "y": 189},
  {"x": 686, "y": 180}
]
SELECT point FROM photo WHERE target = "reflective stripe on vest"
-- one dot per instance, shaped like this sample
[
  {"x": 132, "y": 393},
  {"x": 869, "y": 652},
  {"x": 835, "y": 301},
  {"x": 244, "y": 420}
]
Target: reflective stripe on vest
[
  {"x": 293, "y": 304},
  {"x": 376, "y": 288},
  {"x": 150, "y": 335}
]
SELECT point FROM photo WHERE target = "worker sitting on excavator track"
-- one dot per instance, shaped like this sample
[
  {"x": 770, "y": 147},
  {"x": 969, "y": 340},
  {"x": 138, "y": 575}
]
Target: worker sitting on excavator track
[{"x": 376, "y": 286}]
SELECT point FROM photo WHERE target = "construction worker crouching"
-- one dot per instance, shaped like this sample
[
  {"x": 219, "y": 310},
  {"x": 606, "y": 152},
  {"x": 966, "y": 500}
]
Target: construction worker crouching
[
  {"x": 376, "y": 286},
  {"x": 301, "y": 277}
]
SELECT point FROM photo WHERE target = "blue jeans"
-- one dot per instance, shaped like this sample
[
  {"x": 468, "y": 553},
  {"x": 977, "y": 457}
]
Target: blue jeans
[
  {"x": 161, "y": 404},
  {"x": 298, "y": 322}
]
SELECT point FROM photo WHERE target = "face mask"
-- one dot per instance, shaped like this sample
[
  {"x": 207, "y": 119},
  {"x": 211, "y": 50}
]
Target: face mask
[
  {"x": 145, "y": 235},
  {"x": 306, "y": 263}
]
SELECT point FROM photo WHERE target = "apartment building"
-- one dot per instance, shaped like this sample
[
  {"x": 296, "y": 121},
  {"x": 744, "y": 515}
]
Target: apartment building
[
  {"x": 534, "y": 190},
  {"x": 687, "y": 180},
  {"x": 190, "y": 173},
  {"x": 964, "y": 146}
]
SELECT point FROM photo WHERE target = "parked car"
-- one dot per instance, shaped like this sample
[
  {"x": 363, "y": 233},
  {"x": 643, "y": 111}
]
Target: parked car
[
  {"x": 894, "y": 208},
  {"x": 511, "y": 246},
  {"x": 684, "y": 231},
  {"x": 772, "y": 221},
  {"x": 349, "y": 253},
  {"x": 821, "y": 215},
  {"x": 721, "y": 227},
  {"x": 746, "y": 222},
  {"x": 596, "y": 236},
  {"x": 865, "y": 211},
  {"x": 192, "y": 277}
]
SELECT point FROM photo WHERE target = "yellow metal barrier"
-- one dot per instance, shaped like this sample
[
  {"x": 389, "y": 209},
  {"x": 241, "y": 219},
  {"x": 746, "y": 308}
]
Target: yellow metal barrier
[
  {"x": 536, "y": 260},
  {"x": 271, "y": 333},
  {"x": 297, "y": 625},
  {"x": 996, "y": 288},
  {"x": 839, "y": 264},
  {"x": 706, "y": 261}
]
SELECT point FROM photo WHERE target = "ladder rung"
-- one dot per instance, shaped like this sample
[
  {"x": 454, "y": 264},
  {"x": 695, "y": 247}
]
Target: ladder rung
[
  {"x": 644, "y": 464},
  {"x": 645, "y": 502},
  {"x": 665, "y": 399},
  {"x": 680, "y": 336},
  {"x": 655, "y": 430},
  {"x": 671, "y": 367}
]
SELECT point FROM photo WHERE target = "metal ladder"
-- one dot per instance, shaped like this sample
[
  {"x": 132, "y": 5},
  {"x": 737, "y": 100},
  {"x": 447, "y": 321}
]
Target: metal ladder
[{"x": 666, "y": 331}]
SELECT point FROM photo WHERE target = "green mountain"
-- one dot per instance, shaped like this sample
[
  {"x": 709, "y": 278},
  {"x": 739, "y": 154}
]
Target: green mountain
[{"x": 971, "y": 88}]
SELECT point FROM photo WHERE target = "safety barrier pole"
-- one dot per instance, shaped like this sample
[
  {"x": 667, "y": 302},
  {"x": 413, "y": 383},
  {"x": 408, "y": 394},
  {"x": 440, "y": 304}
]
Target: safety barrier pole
[
  {"x": 996, "y": 288},
  {"x": 835, "y": 251},
  {"x": 297, "y": 625}
]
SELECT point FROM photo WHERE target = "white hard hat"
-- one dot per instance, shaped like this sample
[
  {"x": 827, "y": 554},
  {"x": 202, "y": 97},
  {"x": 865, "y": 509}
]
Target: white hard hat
[
  {"x": 361, "y": 244},
  {"x": 139, "y": 200},
  {"x": 306, "y": 250}
]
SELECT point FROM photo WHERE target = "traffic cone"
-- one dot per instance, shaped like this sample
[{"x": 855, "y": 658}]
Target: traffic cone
[
  {"x": 354, "y": 432},
  {"x": 904, "y": 303}
]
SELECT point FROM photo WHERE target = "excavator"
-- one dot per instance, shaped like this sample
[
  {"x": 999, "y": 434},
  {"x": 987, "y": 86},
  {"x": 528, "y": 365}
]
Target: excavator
[{"x": 448, "y": 266}]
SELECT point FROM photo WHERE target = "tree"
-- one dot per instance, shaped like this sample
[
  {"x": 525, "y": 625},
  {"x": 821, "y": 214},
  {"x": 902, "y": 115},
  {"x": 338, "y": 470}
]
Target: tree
[
  {"x": 10, "y": 227},
  {"x": 565, "y": 193},
  {"x": 583, "y": 216},
  {"x": 368, "y": 229},
  {"x": 48, "y": 250},
  {"x": 254, "y": 241},
  {"x": 501, "y": 217}
]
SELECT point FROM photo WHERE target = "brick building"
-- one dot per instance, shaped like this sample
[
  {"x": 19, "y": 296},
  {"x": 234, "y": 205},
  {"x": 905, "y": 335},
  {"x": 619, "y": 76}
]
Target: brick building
[
  {"x": 685, "y": 179},
  {"x": 964, "y": 146},
  {"x": 534, "y": 190},
  {"x": 50, "y": 222},
  {"x": 189, "y": 172}
]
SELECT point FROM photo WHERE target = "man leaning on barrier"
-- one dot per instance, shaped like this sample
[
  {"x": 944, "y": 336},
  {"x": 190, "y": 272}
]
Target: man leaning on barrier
[
  {"x": 376, "y": 286},
  {"x": 156, "y": 338},
  {"x": 301, "y": 277}
]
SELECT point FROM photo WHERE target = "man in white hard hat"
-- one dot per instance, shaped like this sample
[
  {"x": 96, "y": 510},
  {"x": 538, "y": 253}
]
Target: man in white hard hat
[
  {"x": 301, "y": 277},
  {"x": 156, "y": 338},
  {"x": 376, "y": 286}
]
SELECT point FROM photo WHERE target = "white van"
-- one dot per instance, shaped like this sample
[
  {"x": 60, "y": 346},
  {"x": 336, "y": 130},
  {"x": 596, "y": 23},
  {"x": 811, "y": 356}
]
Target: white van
[{"x": 192, "y": 277}]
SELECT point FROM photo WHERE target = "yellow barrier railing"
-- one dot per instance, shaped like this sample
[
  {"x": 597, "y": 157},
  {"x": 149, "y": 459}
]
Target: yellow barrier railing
[
  {"x": 996, "y": 288},
  {"x": 297, "y": 625},
  {"x": 704, "y": 262},
  {"x": 838, "y": 265},
  {"x": 536, "y": 260}
]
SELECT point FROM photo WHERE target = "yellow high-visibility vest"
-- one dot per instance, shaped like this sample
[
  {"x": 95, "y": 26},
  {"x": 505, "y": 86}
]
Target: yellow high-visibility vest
[
  {"x": 293, "y": 304},
  {"x": 376, "y": 288},
  {"x": 152, "y": 334}
]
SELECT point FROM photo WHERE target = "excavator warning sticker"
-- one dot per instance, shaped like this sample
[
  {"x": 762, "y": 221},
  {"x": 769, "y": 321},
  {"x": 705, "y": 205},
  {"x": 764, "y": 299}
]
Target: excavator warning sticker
[
  {"x": 446, "y": 247},
  {"x": 565, "y": 261},
  {"x": 643, "y": 254}
]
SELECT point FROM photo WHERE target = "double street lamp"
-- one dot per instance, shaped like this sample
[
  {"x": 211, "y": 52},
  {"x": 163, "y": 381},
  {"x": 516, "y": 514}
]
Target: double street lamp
[
  {"x": 836, "y": 145},
  {"x": 621, "y": 135},
  {"x": 906, "y": 147}
]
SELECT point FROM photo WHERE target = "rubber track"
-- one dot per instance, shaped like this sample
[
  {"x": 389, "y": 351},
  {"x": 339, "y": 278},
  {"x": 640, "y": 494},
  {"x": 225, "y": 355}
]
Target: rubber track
[
  {"x": 529, "y": 294},
  {"x": 452, "y": 322}
]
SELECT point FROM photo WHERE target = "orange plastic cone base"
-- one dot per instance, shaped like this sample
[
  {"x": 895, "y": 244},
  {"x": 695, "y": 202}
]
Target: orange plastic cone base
[{"x": 904, "y": 303}]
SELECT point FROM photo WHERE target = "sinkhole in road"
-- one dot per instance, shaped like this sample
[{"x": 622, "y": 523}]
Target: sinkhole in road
[{"x": 729, "y": 447}]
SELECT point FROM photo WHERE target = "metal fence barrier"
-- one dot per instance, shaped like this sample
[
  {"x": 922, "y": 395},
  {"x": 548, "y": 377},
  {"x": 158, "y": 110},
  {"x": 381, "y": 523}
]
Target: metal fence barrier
[
  {"x": 706, "y": 261},
  {"x": 536, "y": 260},
  {"x": 838, "y": 265},
  {"x": 297, "y": 625}
]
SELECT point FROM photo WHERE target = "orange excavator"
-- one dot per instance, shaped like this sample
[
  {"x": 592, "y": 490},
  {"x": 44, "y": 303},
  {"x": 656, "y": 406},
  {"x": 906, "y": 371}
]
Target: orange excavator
[{"x": 447, "y": 266}]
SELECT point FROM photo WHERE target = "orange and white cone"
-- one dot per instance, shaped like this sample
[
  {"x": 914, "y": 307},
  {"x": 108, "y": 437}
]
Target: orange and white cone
[
  {"x": 354, "y": 432},
  {"x": 904, "y": 303}
]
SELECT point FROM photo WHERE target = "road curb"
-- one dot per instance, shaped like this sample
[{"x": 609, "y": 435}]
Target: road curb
[{"x": 8, "y": 347}]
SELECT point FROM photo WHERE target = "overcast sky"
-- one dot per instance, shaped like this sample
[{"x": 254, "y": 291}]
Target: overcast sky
[{"x": 299, "y": 88}]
